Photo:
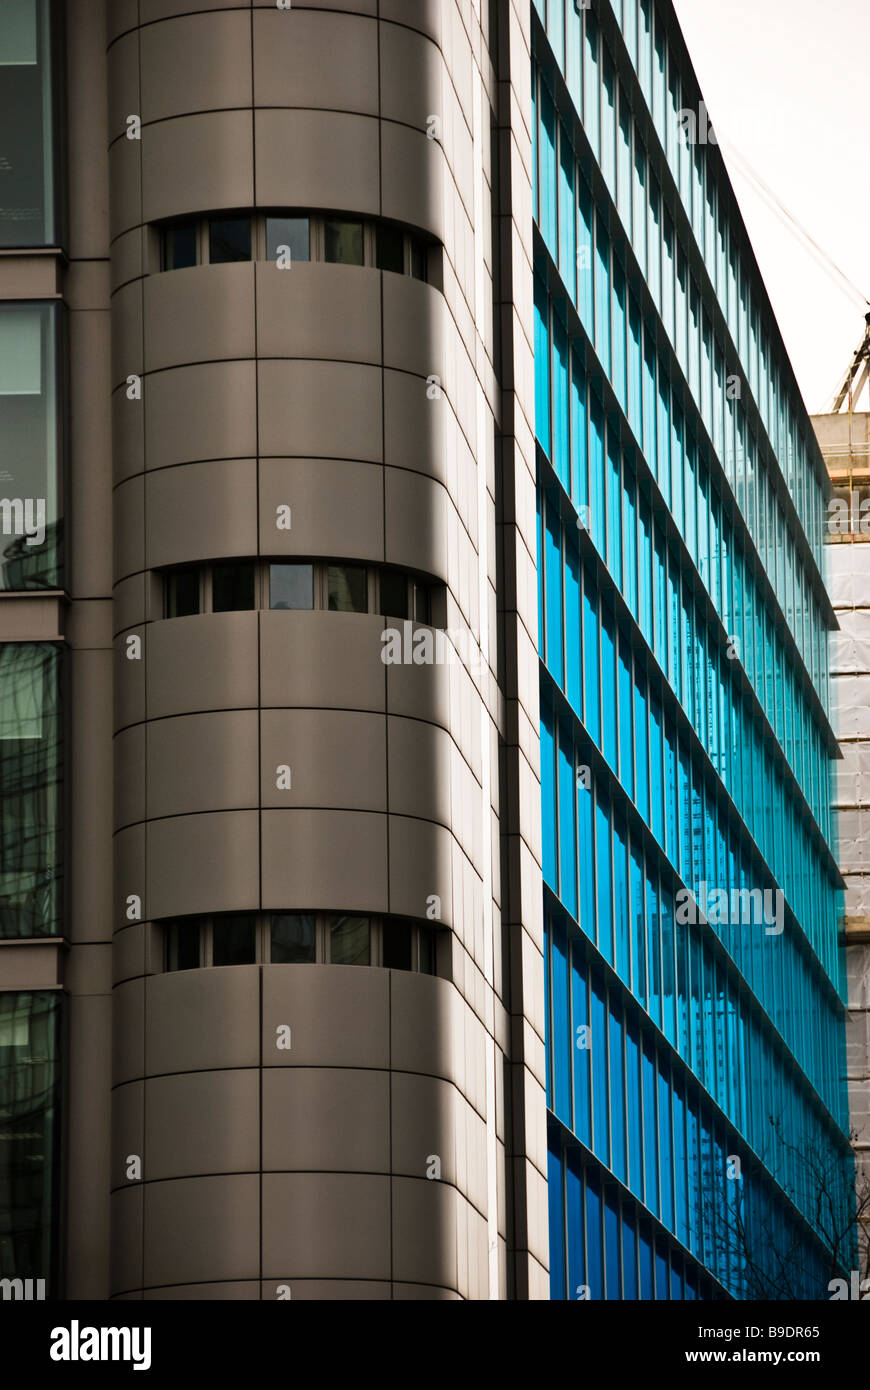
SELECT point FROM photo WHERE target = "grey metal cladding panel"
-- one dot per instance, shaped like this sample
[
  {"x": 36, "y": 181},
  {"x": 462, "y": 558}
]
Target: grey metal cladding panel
[
  {"x": 425, "y": 1222},
  {"x": 169, "y": 9},
  {"x": 129, "y": 775},
  {"x": 416, "y": 427},
  {"x": 203, "y": 863},
  {"x": 121, "y": 15},
  {"x": 125, "y": 185},
  {"x": 128, "y": 952},
  {"x": 203, "y": 1122},
  {"x": 129, "y": 527},
  {"x": 316, "y": 60},
  {"x": 123, "y": 82},
  {"x": 202, "y": 314},
  {"x": 329, "y": 1290},
  {"x": 201, "y": 1229},
  {"x": 416, "y": 512},
  {"x": 419, "y": 770},
  {"x": 316, "y": 309},
  {"x": 337, "y": 508},
  {"x": 232, "y": 1291},
  {"x": 204, "y": 411},
  {"x": 420, "y": 868},
  {"x": 420, "y": 692},
  {"x": 417, "y": 327},
  {"x": 201, "y": 511},
  {"x": 339, "y": 1016},
  {"x": 322, "y": 1120},
  {"x": 325, "y": 859},
  {"x": 321, "y": 660},
  {"x": 320, "y": 409},
  {"x": 316, "y": 159},
  {"x": 412, "y": 76},
  {"x": 358, "y": 6},
  {"x": 128, "y": 1129},
  {"x": 423, "y": 1125},
  {"x": 326, "y": 1225},
  {"x": 202, "y": 663},
  {"x": 414, "y": 178},
  {"x": 129, "y": 872},
  {"x": 202, "y": 1020},
  {"x": 429, "y": 16},
  {"x": 128, "y": 1031},
  {"x": 128, "y": 436},
  {"x": 197, "y": 163},
  {"x": 202, "y": 762},
  {"x": 422, "y": 1025},
  {"x": 126, "y": 1243},
  {"x": 198, "y": 63},
  {"x": 129, "y": 683},
  {"x": 337, "y": 759}
]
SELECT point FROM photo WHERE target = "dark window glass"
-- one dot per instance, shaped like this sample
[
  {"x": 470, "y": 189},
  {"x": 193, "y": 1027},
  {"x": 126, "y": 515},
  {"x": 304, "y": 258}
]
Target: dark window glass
[
  {"x": 30, "y": 1031},
  {"x": 391, "y": 249},
  {"x": 27, "y": 186},
  {"x": 31, "y": 776},
  {"x": 418, "y": 260},
  {"x": 292, "y": 232},
  {"x": 291, "y": 586},
  {"x": 349, "y": 941},
  {"x": 394, "y": 594},
  {"x": 179, "y": 246},
  {"x": 428, "y": 951},
  {"x": 30, "y": 510},
  {"x": 182, "y": 593},
  {"x": 229, "y": 239},
  {"x": 182, "y": 946},
  {"x": 234, "y": 941},
  {"x": 347, "y": 589},
  {"x": 397, "y": 946},
  {"x": 232, "y": 588},
  {"x": 422, "y": 604},
  {"x": 344, "y": 241},
  {"x": 293, "y": 938}
]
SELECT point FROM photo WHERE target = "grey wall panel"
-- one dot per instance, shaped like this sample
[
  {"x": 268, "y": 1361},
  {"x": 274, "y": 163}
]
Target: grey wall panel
[
  {"x": 422, "y": 1024},
  {"x": 412, "y": 75},
  {"x": 202, "y": 663},
  {"x": 348, "y": 672},
  {"x": 202, "y": 314},
  {"x": 316, "y": 159},
  {"x": 128, "y": 952},
  {"x": 201, "y": 1229},
  {"x": 320, "y": 409},
  {"x": 416, "y": 521},
  {"x": 169, "y": 9},
  {"x": 121, "y": 15},
  {"x": 412, "y": 179},
  {"x": 129, "y": 527},
  {"x": 200, "y": 1020},
  {"x": 130, "y": 775},
  {"x": 128, "y": 435},
  {"x": 196, "y": 163},
  {"x": 231, "y": 1291},
  {"x": 199, "y": 511},
  {"x": 320, "y": 310},
  {"x": 418, "y": 429},
  {"x": 337, "y": 508},
  {"x": 318, "y": 60},
  {"x": 128, "y": 1131},
  {"x": 203, "y": 863},
  {"x": 328, "y": 1290},
  {"x": 198, "y": 63},
  {"x": 337, "y": 759},
  {"x": 420, "y": 692},
  {"x": 326, "y": 1225},
  {"x": 419, "y": 758},
  {"x": 358, "y": 6},
  {"x": 123, "y": 82},
  {"x": 127, "y": 1208},
  {"x": 417, "y": 328},
  {"x": 129, "y": 875},
  {"x": 325, "y": 859},
  {"x": 203, "y": 762},
  {"x": 129, "y": 680},
  {"x": 420, "y": 869},
  {"x": 338, "y": 1016},
  {"x": 425, "y": 1221},
  {"x": 128, "y": 1031},
  {"x": 319, "y": 1119},
  {"x": 125, "y": 185},
  {"x": 204, "y": 411},
  {"x": 203, "y": 1122}
]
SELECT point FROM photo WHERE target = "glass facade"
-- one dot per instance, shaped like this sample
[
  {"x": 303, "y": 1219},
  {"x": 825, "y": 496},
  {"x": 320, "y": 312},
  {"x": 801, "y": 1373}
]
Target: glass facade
[
  {"x": 31, "y": 506},
  {"x": 31, "y": 776},
  {"x": 27, "y": 153},
  {"x": 30, "y": 1037},
  {"x": 695, "y": 1005}
]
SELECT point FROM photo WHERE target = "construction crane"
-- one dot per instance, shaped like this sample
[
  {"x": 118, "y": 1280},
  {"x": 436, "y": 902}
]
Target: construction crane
[{"x": 859, "y": 367}]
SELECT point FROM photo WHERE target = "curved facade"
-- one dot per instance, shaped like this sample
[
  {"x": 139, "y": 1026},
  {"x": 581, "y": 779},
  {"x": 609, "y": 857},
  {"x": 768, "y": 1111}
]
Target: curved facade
[{"x": 306, "y": 1129}]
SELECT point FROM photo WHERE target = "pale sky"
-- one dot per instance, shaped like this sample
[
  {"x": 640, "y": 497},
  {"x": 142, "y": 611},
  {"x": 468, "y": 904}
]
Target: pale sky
[{"x": 786, "y": 82}]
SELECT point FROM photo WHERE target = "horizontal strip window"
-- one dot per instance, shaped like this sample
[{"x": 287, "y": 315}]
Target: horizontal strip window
[
  {"x": 27, "y": 119},
  {"x": 300, "y": 938},
  {"x": 287, "y": 238},
  {"x": 239, "y": 585}
]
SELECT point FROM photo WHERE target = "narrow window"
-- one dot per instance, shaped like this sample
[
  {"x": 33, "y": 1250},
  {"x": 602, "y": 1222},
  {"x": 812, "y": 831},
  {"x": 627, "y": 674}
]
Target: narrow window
[
  {"x": 182, "y": 945},
  {"x": 234, "y": 941},
  {"x": 232, "y": 588},
  {"x": 292, "y": 232},
  {"x": 293, "y": 938},
  {"x": 391, "y": 249},
  {"x": 350, "y": 941},
  {"x": 182, "y": 593},
  {"x": 394, "y": 594},
  {"x": 397, "y": 946},
  {"x": 347, "y": 589},
  {"x": 343, "y": 241},
  {"x": 291, "y": 586},
  {"x": 179, "y": 246},
  {"x": 229, "y": 239}
]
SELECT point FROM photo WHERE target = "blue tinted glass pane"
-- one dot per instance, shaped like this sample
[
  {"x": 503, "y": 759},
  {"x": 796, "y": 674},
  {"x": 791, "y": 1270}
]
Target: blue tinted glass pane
[
  {"x": 548, "y": 798},
  {"x": 650, "y": 1130},
  {"x": 626, "y": 749},
  {"x": 645, "y": 1252},
  {"x": 553, "y": 567},
  {"x": 542, "y": 367},
  {"x": 574, "y": 688},
  {"x": 561, "y": 1034},
  {"x": 567, "y": 236},
  {"x": 640, "y": 738},
  {"x": 638, "y": 934},
  {"x": 599, "y": 1067},
  {"x": 633, "y": 1110},
  {"x": 617, "y": 1095},
  {"x": 557, "y": 1220},
  {"x": 665, "y": 1147},
  {"x": 653, "y": 949},
  {"x": 663, "y": 1287},
  {"x": 604, "y": 885},
  {"x": 587, "y": 851},
  {"x": 597, "y": 510},
  {"x": 574, "y": 1214},
  {"x": 608, "y": 686},
  {"x": 560, "y": 403},
  {"x": 579, "y": 463},
  {"x": 621, "y": 919},
  {"x": 567, "y": 830},
  {"x": 547, "y": 157},
  {"x": 611, "y": 1242},
  {"x": 594, "y": 1251},
  {"x": 590, "y": 656},
  {"x": 629, "y": 1255}
]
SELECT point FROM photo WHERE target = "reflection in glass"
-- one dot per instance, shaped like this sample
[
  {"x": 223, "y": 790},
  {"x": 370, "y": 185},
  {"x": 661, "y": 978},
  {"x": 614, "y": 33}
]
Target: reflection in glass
[
  {"x": 350, "y": 941},
  {"x": 229, "y": 239},
  {"x": 234, "y": 941},
  {"x": 343, "y": 241},
  {"x": 29, "y": 466},
  {"x": 31, "y": 866},
  {"x": 347, "y": 589},
  {"x": 292, "y": 232},
  {"x": 179, "y": 246},
  {"x": 232, "y": 588},
  {"x": 293, "y": 938},
  {"x": 291, "y": 586},
  {"x": 29, "y": 1132},
  {"x": 27, "y": 211}
]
